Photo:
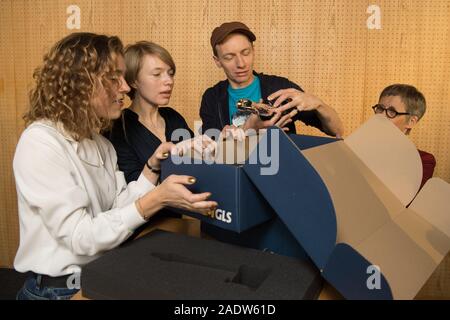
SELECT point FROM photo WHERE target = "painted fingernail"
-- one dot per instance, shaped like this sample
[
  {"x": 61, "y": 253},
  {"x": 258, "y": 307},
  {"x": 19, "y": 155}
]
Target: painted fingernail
[
  {"x": 206, "y": 214},
  {"x": 165, "y": 155},
  {"x": 192, "y": 180},
  {"x": 212, "y": 212}
]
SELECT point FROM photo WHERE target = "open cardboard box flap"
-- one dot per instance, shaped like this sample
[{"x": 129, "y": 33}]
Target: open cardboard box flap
[{"x": 345, "y": 202}]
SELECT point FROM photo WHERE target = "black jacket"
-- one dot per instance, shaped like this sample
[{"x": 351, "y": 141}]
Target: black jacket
[
  {"x": 135, "y": 144},
  {"x": 214, "y": 107}
]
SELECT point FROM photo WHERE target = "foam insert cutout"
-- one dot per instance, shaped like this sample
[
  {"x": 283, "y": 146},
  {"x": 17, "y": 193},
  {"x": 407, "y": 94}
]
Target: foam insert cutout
[{"x": 163, "y": 265}]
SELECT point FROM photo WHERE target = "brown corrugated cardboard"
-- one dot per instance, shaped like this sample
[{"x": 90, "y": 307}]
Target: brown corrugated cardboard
[{"x": 371, "y": 177}]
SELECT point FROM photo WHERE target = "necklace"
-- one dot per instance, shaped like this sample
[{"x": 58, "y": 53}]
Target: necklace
[{"x": 158, "y": 129}]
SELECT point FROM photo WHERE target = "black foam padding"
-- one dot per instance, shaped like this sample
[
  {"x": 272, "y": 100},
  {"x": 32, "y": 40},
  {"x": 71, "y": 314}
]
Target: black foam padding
[{"x": 163, "y": 265}]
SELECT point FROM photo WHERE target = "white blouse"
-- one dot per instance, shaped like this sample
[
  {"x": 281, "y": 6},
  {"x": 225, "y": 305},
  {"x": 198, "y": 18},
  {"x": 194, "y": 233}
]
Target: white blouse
[{"x": 73, "y": 201}]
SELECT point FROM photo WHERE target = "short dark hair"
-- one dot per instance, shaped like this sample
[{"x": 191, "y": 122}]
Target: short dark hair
[{"x": 413, "y": 99}]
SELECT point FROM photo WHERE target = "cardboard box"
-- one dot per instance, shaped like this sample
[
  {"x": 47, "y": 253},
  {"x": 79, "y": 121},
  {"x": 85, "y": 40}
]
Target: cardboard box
[
  {"x": 230, "y": 187},
  {"x": 241, "y": 205},
  {"x": 244, "y": 217},
  {"x": 365, "y": 240},
  {"x": 345, "y": 203}
]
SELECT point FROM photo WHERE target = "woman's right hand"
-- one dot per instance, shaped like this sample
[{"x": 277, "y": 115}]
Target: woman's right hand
[
  {"x": 173, "y": 193},
  {"x": 202, "y": 145}
]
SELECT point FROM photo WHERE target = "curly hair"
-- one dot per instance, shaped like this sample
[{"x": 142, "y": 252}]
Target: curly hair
[{"x": 72, "y": 71}]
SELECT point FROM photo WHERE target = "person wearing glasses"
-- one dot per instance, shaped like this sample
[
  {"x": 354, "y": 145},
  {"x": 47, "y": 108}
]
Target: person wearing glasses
[{"x": 404, "y": 105}]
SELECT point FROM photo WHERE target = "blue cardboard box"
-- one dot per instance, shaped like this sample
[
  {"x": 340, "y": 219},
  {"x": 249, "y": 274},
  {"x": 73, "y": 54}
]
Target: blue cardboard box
[
  {"x": 351, "y": 206},
  {"x": 241, "y": 205},
  {"x": 244, "y": 216}
]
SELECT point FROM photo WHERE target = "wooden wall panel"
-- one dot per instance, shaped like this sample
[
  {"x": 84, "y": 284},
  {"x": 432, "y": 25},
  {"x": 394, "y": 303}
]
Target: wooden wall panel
[
  {"x": 324, "y": 46},
  {"x": 8, "y": 138}
]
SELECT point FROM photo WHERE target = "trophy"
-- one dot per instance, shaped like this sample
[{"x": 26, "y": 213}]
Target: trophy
[{"x": 265, "y": 111}]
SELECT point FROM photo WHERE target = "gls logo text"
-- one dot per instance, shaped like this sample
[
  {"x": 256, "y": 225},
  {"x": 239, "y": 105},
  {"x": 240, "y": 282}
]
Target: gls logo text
[{"x": 223, "y": 215}]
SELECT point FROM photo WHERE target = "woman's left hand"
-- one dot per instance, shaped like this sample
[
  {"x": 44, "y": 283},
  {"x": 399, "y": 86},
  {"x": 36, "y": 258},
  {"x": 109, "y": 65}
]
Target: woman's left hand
[
  {"x": 161, "y": 153},
  {"x": 202, "y": 144}
]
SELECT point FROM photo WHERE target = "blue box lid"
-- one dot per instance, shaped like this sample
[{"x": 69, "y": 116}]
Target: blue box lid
[{"x": 301, "y": 200}]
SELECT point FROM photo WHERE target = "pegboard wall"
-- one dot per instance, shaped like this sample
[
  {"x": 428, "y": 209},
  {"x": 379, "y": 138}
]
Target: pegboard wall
[{"x": 344, "y": 51}]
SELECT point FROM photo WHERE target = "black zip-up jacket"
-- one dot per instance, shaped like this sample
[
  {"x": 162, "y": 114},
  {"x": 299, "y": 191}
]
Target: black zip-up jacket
[{"x": 214, "y": 107}]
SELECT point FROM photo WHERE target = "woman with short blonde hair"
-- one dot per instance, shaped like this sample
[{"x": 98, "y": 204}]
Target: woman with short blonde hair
[{"x": 148, "y": 122}]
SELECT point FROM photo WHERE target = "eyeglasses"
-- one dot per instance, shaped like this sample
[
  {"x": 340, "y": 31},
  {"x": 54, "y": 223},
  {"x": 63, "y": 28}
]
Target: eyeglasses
[{"x": 391, "y": 113}]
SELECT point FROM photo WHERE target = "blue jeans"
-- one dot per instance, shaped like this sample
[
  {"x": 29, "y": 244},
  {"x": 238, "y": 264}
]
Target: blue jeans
[{"x": 32, "y": 291}]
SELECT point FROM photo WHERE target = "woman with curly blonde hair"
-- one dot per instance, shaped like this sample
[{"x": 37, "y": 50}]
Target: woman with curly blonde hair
[{"x": 73, "y": 201}]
